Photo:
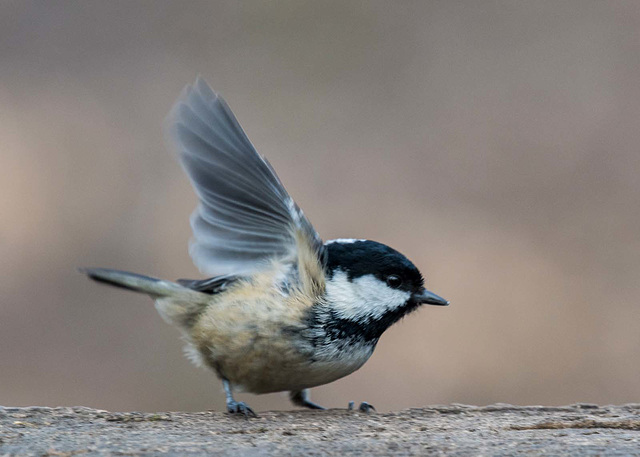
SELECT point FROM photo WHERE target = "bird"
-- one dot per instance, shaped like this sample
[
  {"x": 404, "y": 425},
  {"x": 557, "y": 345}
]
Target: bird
[{"x": 281, "y": 310}]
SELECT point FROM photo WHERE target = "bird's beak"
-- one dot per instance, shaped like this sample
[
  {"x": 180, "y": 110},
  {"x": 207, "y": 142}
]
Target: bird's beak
[{"x": 429, "y": 298}]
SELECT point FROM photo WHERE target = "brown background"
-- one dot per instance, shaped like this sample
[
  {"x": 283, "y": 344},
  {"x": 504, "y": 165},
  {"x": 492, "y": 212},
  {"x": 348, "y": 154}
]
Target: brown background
[{"x": 495, "y": 143}]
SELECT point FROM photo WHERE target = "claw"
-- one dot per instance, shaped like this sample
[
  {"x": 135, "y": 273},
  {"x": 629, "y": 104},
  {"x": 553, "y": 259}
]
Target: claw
[
  {"x": 366, "y": 407},
  {"x": 240, "y": 408},
  {"x": 363, "y": 408}
]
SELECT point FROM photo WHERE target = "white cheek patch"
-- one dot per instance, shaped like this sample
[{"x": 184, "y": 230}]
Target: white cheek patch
[{"x": 364, "y": 297}]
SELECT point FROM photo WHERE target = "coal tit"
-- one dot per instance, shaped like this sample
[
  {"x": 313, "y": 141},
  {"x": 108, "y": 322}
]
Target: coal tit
[{"x": 283, "y": 311}]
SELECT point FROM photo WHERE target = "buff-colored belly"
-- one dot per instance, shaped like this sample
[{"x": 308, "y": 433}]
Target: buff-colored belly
[{"x": 255, "y": 343}]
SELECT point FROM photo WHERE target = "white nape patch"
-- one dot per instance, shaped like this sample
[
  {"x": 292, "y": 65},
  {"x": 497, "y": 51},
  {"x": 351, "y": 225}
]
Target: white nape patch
[
  {"x": 364, "y": 297},
  {"x": 343, "y": 241}
]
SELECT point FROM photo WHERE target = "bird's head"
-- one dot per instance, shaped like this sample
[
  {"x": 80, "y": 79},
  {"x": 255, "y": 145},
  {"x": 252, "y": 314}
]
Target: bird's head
[{"x": 371, "y": 286}]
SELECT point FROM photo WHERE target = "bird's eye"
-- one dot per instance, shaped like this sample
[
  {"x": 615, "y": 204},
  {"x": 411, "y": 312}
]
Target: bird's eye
[{"x": 394, "y": 281}]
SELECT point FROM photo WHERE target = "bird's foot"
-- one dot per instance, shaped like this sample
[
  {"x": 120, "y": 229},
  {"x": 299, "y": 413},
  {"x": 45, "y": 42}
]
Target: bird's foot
[
  {"x": 301, "y": 398},
  {"x": 240, "y": 407},
  {"x": 312, "y": 405},
  {"x": 364, "y": 407}
]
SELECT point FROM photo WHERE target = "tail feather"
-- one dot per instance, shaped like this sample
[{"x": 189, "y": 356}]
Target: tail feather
[
  {"x": 135, "y": 282},
  {"x": 178, "y": 305}
]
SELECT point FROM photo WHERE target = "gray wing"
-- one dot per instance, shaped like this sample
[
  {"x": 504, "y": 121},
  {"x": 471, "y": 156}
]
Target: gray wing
[
  {"x": 209, "y": 286},
  {"x": 245, "y": 216}
]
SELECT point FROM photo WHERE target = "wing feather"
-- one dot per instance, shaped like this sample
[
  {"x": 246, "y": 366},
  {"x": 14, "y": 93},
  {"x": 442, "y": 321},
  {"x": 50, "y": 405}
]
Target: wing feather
[{"x": 245, "y": 216}]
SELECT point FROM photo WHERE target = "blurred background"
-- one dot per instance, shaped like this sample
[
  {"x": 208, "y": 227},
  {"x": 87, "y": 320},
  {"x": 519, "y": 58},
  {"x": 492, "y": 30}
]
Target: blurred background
[{"x": 495, "y": 143}]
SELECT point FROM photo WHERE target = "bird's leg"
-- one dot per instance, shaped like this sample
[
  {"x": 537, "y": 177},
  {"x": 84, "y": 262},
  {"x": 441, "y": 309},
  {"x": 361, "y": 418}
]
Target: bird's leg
[
  {"x": 235, "y": 407},
  {"x": 301, "y": 398},
  {"x": 364, "y": 407}
]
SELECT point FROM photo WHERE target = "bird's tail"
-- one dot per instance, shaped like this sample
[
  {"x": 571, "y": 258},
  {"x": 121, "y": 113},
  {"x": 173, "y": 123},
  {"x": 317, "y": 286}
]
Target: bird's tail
[
  {"x": 178, "y": 305},
  {"x": 154, "y": 287}
]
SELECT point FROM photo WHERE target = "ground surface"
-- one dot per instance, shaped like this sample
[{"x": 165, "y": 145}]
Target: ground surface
[{"x": 459, "y": 430}]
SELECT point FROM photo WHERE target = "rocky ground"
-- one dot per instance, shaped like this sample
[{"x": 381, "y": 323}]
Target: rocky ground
[{"x": 458, "y": 430}]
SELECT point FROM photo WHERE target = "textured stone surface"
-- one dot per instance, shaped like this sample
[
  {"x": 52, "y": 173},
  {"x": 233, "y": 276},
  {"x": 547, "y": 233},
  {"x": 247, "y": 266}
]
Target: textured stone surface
[{"x": 459, "y": 430}]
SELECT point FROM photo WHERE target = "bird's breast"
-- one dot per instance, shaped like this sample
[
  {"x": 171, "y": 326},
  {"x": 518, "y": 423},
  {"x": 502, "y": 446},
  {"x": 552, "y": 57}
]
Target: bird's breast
[{"x": 261, "y": 342}]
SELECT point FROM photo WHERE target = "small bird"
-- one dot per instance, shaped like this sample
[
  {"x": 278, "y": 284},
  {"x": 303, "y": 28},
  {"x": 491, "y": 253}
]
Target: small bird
[{"x": 283, "y": 311}]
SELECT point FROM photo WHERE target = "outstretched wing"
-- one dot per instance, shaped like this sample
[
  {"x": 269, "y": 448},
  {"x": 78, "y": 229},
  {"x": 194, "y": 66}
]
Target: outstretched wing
[{"x": 245, "y": 216}]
